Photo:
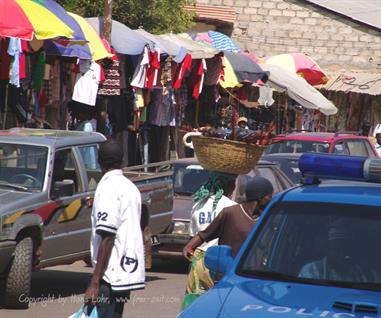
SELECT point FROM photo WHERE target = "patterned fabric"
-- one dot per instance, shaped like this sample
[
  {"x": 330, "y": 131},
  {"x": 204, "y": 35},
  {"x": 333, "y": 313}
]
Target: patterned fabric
[
  {"x": 223, "y": 42},
  {"x": 111, "y": 85}
]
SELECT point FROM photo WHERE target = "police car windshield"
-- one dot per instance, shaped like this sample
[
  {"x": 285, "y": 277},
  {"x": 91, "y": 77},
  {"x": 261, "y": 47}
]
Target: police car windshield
[{"x": 318, "y": 243}]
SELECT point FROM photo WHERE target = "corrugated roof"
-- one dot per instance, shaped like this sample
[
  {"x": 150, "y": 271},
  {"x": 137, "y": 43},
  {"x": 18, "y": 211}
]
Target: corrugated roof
[
  {"x": 364, "y": 11},
  {"x": 363, "y": 83},
  {"x": 216, "y": 13}
]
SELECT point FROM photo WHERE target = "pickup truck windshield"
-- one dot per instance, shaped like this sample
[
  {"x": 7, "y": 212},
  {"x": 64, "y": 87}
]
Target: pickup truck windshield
[
  {"x": 187, "y": 179},
  {"x": 318, "y": 243},
  {"x": 22, "y": 166},
  {"x": 297, "y": 146}
]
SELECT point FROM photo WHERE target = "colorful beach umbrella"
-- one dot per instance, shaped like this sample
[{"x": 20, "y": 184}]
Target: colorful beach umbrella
[
  {"x": 26, "y": 18},
  {"x": 301, "y": 64},
  {"x": 218, "y": 40},
  {"x": 239, "y": 69},
  {"x": 97, "y": 48}
]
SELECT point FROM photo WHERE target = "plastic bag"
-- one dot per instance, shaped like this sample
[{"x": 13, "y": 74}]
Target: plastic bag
[{"x": 81, "y": 313}]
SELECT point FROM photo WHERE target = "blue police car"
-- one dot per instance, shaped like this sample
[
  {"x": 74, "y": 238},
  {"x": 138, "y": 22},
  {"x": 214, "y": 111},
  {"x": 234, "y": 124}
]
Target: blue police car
[{"x": 315, "y": 252}]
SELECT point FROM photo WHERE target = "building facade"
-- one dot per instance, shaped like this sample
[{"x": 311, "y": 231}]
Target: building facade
[{"x": 336, "y": 41}]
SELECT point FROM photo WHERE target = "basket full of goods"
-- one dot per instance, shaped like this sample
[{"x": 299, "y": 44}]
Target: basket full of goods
[{"x": 216, "y": 153}]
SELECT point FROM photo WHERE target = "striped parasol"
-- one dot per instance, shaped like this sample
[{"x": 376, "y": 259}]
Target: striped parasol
[
  {"x": 301, "y": 64},
  {"x": 26, "y": 18},
  {"x": 218, "y": 40}
]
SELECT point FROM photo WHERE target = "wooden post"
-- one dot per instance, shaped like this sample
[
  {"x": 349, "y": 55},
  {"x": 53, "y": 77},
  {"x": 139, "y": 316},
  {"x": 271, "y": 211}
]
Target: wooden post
[{"x": 107, "y": 21}]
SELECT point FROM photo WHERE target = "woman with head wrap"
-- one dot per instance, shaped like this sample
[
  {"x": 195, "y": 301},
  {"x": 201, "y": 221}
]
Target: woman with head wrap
[
  {"x": 209, "y": 201},
  {"x": 232, "y": 225}
]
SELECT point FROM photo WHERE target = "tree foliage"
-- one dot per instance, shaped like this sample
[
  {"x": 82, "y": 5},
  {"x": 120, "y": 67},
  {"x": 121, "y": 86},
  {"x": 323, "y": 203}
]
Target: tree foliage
[{"x": 156, "y": 16}]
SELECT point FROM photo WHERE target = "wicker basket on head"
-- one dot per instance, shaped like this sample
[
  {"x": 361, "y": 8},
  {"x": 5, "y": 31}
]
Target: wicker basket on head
[{"x": 227, "y": 156}]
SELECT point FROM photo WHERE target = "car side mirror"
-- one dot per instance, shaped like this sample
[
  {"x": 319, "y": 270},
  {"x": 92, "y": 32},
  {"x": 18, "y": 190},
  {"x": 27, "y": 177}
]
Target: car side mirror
[
  {"x": 63, "y": 188},
  {"x": 218, "y": 258}
]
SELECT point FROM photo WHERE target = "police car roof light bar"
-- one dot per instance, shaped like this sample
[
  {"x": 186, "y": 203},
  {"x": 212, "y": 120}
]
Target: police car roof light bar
[{"x": 328, "y": 166}]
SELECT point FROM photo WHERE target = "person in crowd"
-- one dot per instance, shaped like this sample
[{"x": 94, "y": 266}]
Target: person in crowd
[
  {"x": 337, "y": 264},
  {"x": 242, "y": 123},
  {"x": 378, "y": 143},
  {"x": 116, "y": 241},
  {"x": 232, "y": 225},
  {"x": 209, "y": 200}
]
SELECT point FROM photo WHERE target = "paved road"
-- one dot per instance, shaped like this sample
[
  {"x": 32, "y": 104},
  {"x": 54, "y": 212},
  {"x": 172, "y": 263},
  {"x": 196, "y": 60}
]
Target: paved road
[{"x": 58, "y": 292}]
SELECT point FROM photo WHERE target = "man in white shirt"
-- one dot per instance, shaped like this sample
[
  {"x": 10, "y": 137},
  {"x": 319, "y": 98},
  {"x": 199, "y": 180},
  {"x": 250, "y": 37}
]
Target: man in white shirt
[{"x": 116, "y": 241}]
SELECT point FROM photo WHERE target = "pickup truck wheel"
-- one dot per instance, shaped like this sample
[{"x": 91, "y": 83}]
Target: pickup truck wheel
[{"x": 18, "y": 280}]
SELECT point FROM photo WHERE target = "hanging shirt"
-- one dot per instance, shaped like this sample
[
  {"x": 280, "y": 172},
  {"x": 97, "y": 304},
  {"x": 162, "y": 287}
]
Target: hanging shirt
[
  {"x": 185, "y": 67},
  {"x": 87, "y": 83},
  {"x": 117, "y": 210},
  {"x": 15, "y": 50},
  {"x": 153, "y": 70},
  {"x": 162, "y": 108},
  {"x": 140, "y": 75}
]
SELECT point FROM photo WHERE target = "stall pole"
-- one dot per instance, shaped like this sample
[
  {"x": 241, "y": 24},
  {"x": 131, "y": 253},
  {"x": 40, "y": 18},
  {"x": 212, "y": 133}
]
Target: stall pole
[{"x": 5, "y": 108}]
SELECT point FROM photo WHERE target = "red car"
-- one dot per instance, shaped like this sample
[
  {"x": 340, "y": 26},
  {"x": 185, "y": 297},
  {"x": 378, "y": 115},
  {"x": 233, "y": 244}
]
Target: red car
[{"x": 336, "y": 143}]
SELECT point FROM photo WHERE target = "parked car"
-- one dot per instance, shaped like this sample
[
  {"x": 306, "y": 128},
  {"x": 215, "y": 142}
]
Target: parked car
[
  {"x": 335, "y": 143},
  {"x": 188, "y": 176},
  {"x": 312, "y": 253},
  {"x": 47, "y": 184},
  {"x": 288, "y": 163}
]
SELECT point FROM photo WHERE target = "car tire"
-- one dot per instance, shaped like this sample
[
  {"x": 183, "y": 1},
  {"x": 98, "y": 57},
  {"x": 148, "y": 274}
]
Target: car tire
[{"x": 18, "y": 280}]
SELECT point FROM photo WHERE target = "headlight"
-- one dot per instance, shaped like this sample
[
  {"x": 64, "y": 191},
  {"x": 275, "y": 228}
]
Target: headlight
[{"x": 180, "y": 227}]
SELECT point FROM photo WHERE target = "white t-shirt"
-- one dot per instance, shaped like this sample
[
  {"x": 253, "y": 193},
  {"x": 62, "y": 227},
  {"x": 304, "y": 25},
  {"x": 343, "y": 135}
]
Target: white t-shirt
[
  {"x": 87, "y": 82},
  {"x": 117, "y": 209},
  {"x": 202, "y": 216}
]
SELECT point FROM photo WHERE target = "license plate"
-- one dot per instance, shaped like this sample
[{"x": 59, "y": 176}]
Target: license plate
[{"x": 155, "y": 240}]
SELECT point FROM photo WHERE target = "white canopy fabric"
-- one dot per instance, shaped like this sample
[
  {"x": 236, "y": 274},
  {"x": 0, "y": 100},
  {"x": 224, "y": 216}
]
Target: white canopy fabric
[
  {"x": 298, "y": 89},
  {"x": 165, "y": 46},
  {"x": 123, "y": 39},
  {"x": 197, "y": 50}
]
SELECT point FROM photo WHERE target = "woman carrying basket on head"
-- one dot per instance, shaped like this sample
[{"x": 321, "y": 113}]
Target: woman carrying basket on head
[{"x": 209, "y": 201}]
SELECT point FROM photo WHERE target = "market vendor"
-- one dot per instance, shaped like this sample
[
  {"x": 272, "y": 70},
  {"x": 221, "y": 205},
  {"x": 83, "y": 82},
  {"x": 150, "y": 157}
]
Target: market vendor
[{"x": 242, "y": 123}]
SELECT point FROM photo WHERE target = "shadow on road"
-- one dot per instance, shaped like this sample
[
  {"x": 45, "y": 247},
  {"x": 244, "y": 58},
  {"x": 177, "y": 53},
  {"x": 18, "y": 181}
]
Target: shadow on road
[
  {"x": 57, "y": 284},
  {"x": 175, "y": 266}
]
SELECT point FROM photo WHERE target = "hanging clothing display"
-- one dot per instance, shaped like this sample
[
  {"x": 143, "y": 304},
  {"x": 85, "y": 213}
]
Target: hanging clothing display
[
  {"x": 140, "y": 74},
  {"x": 15, "y": 50},
  {"x": 162, "y": 107},
  {"x": 153, "y": 70},
  {"x": 197, "y": 77},
  {"x": 87, "y": 83},
  {"x": 181, "y": 70},
  {"x": 213, "y": 73},
  {"x": 111, "y": 84}
]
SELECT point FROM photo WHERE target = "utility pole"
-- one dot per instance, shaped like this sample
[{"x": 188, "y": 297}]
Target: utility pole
[{"x": 107, "y": 21}]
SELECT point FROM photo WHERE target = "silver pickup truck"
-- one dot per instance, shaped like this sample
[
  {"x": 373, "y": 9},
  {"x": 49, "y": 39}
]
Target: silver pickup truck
[{"x": 47, "y": 184}]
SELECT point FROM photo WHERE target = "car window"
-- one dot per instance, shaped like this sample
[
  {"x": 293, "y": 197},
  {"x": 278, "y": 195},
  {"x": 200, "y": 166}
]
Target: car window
[
  {"x": 314, "y": 242},
  {"x": 23, "y": 165},
  {"x": 357, "y": 148},
  {"x": 340, "y": 148},
  {"x": 297, "y": 146},
  {"x": 269, "y": 174},
  {"x": 89, "y": 156},
  {"x": 187, "y": 179},
  {"x": 65, "y": 167},
  {"x": 369, "y": 150}
]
